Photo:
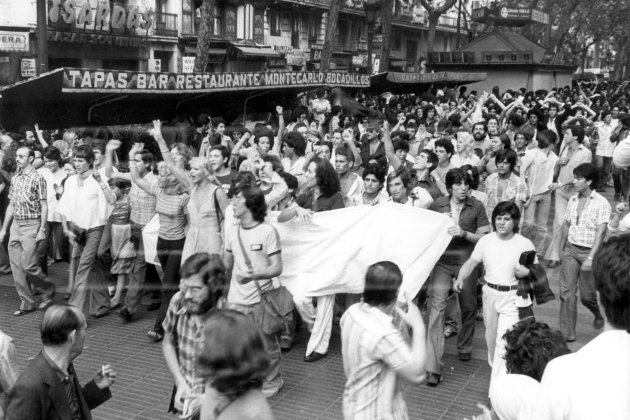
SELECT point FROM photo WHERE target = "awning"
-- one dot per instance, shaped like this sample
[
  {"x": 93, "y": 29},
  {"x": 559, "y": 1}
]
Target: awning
[
  {"x": 440, "y": 77},
  {"x": 211, "y": 51},
  {"x": 398, "y": 63},
  {"x": 74, "y": 96},
  {"x": 254, "y": 51}
]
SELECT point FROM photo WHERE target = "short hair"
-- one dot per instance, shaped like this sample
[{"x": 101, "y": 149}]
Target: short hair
[
  {"x": 58, "y": 322},
  {"x": 456, "y": 176},
  {"x": 276, "y": 163},
  {"x": 120, "y": 183},
  {"x": 446, "y": 144},
  {"x": 243, "y": 178},
  {"x": 554, "y": 105},
  {"x": 85, "y": 152},
  {"x": 30, "y": 150},
  {"x": 52, "y": 153},
  {"x": 611, "y": 272},
  {"x": 473, "y": 174},
  {"x": 530, "y": 345},
  {"x": 382, "y": 282},
  {"x": 263, "y": 131},
  {"x": 432, "y": 158},
  {"x": 546, "y": 138},
  {"x": 400, "y": 144},
  {"x": 525, "y": 133},
  {"x": 516, "y": 120},
  {"x": 506, "y": 208},
  {"x": 404, "y": 175},
  {"x": 344, "y": 150},
  {"x": 224, "y": 151},
  {"x": 589, "y": 172},
  {"x": 508, "y": 155},
  {"x": 604, "y": 114},
  {"x": 290, "y": 180},
  {"x": 377, "y": 170},
  {"x": 327, "y": 178},
  {"x": 577, "y": 131},
  {"x": 211, "y": 270},
  {"x": 296, "y": 141},
  {"x": 254, "y": 201},
  {"x": 98, "y": 144},
  {"x": 482, "y": 124},
  {"x": 233, "y": 357},
  {"x": 445, "y": 126}
]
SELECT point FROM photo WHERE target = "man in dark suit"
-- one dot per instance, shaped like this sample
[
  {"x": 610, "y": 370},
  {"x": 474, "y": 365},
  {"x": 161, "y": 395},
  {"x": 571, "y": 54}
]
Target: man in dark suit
[{"x": 49, "y": 388}]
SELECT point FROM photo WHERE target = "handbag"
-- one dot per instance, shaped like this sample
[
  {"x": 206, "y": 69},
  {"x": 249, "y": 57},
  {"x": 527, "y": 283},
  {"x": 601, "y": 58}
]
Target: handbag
[{"x": 275, "y": 304}]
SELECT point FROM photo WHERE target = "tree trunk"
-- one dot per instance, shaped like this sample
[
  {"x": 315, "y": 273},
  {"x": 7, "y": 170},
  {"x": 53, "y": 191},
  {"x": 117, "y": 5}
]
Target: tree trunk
[
  {"x": 205, "y": 32},
  {"x": 387, "y": 14},
  {"x": 433, "y": 21},
  {"x": 331, "y": 27}
]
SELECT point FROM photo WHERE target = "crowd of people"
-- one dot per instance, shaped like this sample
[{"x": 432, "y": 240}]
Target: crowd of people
[{"x": 186, "y": 215}]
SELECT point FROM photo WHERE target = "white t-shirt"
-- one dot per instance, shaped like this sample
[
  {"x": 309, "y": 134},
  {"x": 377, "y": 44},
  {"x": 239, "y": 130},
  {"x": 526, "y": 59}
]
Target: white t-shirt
[{"x": 500, "y": 257}]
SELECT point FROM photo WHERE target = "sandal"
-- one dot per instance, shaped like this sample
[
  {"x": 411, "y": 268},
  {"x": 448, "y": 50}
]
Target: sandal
[{"x": 155, "y": 336}]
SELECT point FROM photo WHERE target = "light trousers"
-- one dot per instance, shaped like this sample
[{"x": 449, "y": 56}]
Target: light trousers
[{"x": 318, "y": 320}]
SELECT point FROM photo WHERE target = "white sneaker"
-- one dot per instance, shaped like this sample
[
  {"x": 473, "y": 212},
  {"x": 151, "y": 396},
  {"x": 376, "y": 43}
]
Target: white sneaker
[{"x": 272, "y": 392}]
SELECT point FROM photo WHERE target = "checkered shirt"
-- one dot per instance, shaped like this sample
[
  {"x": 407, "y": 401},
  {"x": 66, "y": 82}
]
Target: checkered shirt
[
  {"x": 142, "y": 203},
  {"x": 186, "y": 332},
  {"x": 27, "y": 190},
  {"x": 596, "y": 211},
  {"x": 515, "y": 190}
]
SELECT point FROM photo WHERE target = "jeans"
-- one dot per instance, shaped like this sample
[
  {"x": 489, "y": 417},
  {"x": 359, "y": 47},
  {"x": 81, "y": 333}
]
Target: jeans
[
  {"x": 24, "y": 257},
  {"x": 273, "y": 378},
  {"x": 442, "y": 282},
  {"x": 535, "y": 219},
  {"x": 170, "y": 255},
  {"x": 573, "y": 258},
  {"x": 133, "y": 298},
  {"x": 88, "y": 274},
  {"x": 604, "y": 165}
]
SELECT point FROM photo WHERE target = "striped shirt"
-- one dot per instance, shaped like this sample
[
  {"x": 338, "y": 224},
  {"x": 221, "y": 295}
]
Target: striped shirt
[
  {"x": 171, "y": 208},
  {"x": 186, "y": 331},
  {"x": 27, "y": 190},
  {"x": 514, "y": 190},
  {"x": 583, "y": 228},
  {"x": 142, "y": 203},
  {"x": 373, "y": 352}
]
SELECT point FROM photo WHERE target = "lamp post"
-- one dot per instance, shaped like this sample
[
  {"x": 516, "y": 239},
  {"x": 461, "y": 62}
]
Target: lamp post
[{"x": 371, "y": 9}]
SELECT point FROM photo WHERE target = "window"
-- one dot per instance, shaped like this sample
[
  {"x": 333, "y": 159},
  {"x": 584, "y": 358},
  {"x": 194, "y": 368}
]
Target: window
[
  {"x": 217, "y": 24},
  {"x": 274, "y": 22},
  {"x": 296, "y": 25},
  {"x": 187, "y": 17},
  {"x": 397, "y": 44},
  {"x": 314, "y": 23},
  {"x": 245, "y": 22}
]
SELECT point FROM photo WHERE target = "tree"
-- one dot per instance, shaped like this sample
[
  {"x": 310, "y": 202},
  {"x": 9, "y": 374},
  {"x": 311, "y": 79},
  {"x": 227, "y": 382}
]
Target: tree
[
  {"x": 434, "y": 16},
  {"x": 205, "y": 32},
  {"x": 331, "y": 27},
  {"x": 387, "y": 13}
]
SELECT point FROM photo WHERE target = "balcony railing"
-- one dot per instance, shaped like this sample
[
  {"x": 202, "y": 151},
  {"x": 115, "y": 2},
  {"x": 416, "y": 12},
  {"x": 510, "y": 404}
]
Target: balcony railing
[{"x": 165, "y": 24}]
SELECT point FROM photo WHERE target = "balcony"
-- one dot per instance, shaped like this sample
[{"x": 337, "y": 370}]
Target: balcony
[{"x": 165, "y": 24}]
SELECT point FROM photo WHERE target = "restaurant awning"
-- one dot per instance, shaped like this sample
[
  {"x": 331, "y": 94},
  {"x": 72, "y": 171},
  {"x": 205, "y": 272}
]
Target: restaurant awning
[
  {"x": 73, "y": 96},
  {"x": 418, "y": 81},
  {"x": 255, "y": 51}
]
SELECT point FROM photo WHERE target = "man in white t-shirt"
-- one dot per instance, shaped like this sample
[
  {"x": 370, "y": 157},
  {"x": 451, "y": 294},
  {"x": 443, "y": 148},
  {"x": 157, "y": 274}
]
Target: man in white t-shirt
[
  {"x": 351, "y": 183},
  {"x": 594, "y": 382},
  {"x": 499, "y": 252},
  {"x": 252, "y": 253}
]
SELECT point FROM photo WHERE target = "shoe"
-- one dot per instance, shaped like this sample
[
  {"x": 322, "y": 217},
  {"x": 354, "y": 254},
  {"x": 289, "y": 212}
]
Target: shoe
[
  {"x": 101, "y": 313},
  {"x": 598, "y": 322},
  {"x": 21, "y": 312},
  {"x": 272, "y": 392},
  {"x": 465, "y": 357},
  {"x": 553, "y": 263},
  {"x": 156, "y": 336},
  {"x": 114, "y": 305},
  {"x": 125, "y": 314},
  {"x": 433, "y": 379},
  {"x": 45, "y": 303},
  {"x": 285, "y": 344},
  {"x": 153, "y": 306},
  {"x": 111, "y": 290},
  {"x": 479, "y": 316},
  {"x": 449, "y": 331},
  {"x": 67, "y": 296},
  {"x": 313, "y": 357}
]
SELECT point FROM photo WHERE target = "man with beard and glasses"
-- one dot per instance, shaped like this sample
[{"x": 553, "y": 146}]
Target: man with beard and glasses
[{"x": 202, "y": 283}]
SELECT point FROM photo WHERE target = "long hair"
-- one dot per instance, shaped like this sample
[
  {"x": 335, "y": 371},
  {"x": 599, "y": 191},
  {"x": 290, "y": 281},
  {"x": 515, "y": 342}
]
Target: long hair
[
  {"x": 233, "y": 356},
  {"x": 327, "y": 178}
]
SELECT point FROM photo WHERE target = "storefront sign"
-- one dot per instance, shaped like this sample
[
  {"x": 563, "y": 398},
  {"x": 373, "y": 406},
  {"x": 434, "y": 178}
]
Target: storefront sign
[
  {"x": 103, "y": 17},
  {"x": 316, "y": 53},
  {"x": 360, "y": 60},
  {"x": 84, "y": 80},
  {"x": 283, "y": 49},
  {"x": 95, "y": 39},
  {"x": 14, "y": 41},
  {"x": 188, "y": 64},
  {"x": 444, "y": 76},
  {"x": 28, "y": 67},
  {"x": 297, "y": 58}
]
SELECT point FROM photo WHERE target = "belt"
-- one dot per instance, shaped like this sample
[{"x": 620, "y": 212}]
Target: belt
[{"x": 502, "y": 288}]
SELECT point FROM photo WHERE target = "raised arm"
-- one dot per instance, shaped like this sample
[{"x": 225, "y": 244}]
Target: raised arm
[
  {"x": 40, "y": 136},
  {"x": 277, "y": 145},
  {"x": 179, "y": 174},
  {"x": 349, "y": 140},
  {"x": 110, "y": 149},
  {"x": 389, "y": 146}
]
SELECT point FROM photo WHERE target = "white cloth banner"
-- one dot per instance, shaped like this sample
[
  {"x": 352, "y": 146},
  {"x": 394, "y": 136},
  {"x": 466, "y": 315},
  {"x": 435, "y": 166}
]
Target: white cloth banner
[{"x": 331, "y": 255}]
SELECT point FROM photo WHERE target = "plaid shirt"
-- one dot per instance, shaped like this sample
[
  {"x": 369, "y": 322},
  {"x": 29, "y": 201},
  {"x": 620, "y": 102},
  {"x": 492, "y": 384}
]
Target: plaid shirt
[
  {"x": 515, "y": 190},
  {"x": 142, "y": 203},
  {"x": 187, "y": 335},
  {"x": 27, "y": 190},
  {"x": 583, "y": 229}
]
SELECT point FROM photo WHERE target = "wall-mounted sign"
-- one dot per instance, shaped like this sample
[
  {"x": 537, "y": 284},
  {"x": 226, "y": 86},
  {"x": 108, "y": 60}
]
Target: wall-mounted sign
[
  {"x": 101, "y": 17},
  {"x": 155, "y": 65},
  {"x": 283, "y": 49},
  {"x": 14, "y": 41},
  {"x": 188, "y": 64},
  {"x": 87, "y": 80},
  {"x": 96, "y": 39},
  {"x": 316, "y": 53},
  {"x": 28, "y": 67}
]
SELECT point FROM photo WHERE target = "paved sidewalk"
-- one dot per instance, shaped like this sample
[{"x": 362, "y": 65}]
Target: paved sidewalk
[{"x": 311, "y": 391}]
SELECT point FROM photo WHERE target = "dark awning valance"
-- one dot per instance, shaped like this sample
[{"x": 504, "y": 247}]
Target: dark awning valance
[{"x": 254, "y": 51}]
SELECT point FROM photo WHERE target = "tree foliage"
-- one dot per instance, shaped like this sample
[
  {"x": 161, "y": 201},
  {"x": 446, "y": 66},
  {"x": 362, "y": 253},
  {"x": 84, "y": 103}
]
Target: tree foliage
[{"x": 435, "y": 9}]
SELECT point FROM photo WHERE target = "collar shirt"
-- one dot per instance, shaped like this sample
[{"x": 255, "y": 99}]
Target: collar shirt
[
  {"x": 373, "y": 352},
  {"x": 143, "y": 203},
  {"x": 583, "y": 227},
  {"x": 537, "y": 170},
  {"x": 84, "y": 205},
  {"x": 581, "y": 155},
  {"x": 186, "y": 332},
  {"x": 513, "y": 190},
  {"x": 69, "y": 384},
  {"x": 604, "y": 146},
  {"x": 28, "y": 189}
]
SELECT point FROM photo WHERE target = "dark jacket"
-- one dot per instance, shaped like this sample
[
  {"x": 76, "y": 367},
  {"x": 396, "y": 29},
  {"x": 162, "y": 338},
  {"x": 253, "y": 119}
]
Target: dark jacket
[{"x": 39, "y": 394}]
